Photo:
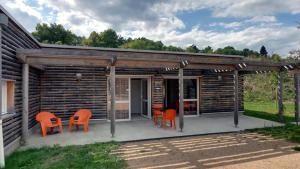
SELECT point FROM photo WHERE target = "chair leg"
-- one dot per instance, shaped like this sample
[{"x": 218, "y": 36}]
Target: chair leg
[
  {"x": 60, "y": 128},
  {"x": 70, "y": 126},
  {"x": 86, "y": 127},
  {"x": 174, "y": 123},
  {"x": 44, "y": 131}
]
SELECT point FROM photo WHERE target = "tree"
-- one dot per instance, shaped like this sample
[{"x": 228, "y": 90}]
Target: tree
[
  {"x": 228, "y": 50},
  {"x": 263, "y": 51},
  {"x": 173, "y": 48},
  {"x": 143, "y": 43},
  {"x": 55, "y": 34},
  {"x": 208, "y": 49},
  {"x": 107, "y": 38},
  {"x": 192, "y": 49}
]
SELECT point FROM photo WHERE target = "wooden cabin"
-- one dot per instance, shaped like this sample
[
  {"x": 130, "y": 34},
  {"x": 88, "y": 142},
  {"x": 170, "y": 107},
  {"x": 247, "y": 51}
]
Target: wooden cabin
[{"x": 116, "y": 84}]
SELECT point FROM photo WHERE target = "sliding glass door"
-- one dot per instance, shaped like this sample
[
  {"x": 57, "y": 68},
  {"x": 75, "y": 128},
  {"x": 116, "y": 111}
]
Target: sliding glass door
[
  {"x": 122, "y": 98},
  {"x": 190, "y": 96}
]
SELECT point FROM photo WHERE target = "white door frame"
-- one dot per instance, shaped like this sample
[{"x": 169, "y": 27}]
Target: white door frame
[{"x": 129, "y": 77}]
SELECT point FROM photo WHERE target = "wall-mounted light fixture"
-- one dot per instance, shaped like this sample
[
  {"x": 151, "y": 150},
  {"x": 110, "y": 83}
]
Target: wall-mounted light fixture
[
  {"x": 220, "y": 78},
  {"x": 78, "y": 76}
]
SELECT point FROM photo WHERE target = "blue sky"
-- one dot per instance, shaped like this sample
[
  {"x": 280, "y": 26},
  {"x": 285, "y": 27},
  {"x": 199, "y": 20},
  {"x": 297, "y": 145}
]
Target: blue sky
[{"x": 217, "y": 23}]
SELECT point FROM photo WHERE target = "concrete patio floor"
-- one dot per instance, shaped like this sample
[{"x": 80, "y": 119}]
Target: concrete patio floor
[{"x": 144, "y": 129}]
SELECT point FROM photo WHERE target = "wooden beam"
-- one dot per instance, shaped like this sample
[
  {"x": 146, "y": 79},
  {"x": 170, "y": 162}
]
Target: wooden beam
[
  {"x": 210, "y": 66},
  {"x": 126, "y": 55},
  {"x": 25, "y": 99},
  {"x": 181, "y": 104},
  {"x": 296, "y": 98},
  {"x": 280, "y": 96},
  {"x": 2, "y": 157},
  {"x": 236, "y": 98},
  {"x": 66, "y": 61},
  {"x": 113, "y": 100}
]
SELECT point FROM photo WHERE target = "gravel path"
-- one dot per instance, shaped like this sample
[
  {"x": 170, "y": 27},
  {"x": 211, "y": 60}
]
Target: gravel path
[{"x": 237, "y": 150}]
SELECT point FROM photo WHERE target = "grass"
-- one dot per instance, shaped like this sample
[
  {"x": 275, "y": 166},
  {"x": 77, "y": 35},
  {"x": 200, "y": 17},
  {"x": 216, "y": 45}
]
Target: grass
[
  {"x": 289, "y": 132},
  {"x": 269, "y": 110},
  {"x": 92, "y": 156}
]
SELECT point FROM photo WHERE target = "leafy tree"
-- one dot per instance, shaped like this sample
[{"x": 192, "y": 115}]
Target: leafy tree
[
  {"x": 228, "y": 50},
  {"x": 107, "y": 38},
  {"x": 173, "y": 48},
  {"x": 263, "y": 51},
  {"x": 192, "y": 49},
  {"x": 143, "y": 43},
  {"x": 55, "y": 34},
  {"x": 208, "y": 49}
]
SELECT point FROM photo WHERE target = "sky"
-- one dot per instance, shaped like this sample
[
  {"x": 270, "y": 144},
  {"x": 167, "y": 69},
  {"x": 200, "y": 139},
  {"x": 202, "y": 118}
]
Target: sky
[{"x": 216, "y": 23}]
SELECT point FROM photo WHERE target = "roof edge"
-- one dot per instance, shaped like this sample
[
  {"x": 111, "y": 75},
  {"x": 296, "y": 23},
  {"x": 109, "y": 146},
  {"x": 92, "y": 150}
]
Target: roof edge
[{"x": 135, "y": 50}]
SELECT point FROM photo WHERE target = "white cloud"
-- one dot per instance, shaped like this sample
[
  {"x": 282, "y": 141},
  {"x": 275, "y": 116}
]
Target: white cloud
[
  {"x": 262, "y": 19},
  {"x": 233, "y": 25}
]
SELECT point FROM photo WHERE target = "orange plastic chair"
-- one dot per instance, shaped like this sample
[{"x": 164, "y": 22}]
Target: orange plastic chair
[
  {"x": 83, "y": 116},
  {"x": 48, "y": 120},
  {"x": 157, "y": 112},
  {"x": 170, "y": 115}
]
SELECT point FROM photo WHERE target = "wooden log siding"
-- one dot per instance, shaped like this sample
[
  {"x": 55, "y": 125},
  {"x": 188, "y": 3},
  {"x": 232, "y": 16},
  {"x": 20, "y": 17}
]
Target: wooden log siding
[
  {"x": 62, "y": 94},
  {"x": 13, "y": 38},
  {"x": 157, "y": 90},
  {"x": 218, "y": 95}
]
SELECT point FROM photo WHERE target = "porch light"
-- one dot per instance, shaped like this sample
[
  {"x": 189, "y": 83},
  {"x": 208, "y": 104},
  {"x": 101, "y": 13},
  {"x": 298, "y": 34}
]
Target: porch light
[
  {"x": 219, "y": 78},
  {"x": 78, "y": 76}
]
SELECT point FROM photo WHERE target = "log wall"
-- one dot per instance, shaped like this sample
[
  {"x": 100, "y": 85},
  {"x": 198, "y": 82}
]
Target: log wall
[
  {"x": 12, "y": 37},
  {"x": 218, "y": 95},
  {"x": 63, "y": 94}
]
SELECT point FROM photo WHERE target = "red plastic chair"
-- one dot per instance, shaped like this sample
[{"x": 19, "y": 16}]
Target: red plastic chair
[
  {"x": 157, "y": 112},
  {"x": 81, "y": 117},
  {"x": 48, "y": 120},
  {"x": 170, "y": 115}
]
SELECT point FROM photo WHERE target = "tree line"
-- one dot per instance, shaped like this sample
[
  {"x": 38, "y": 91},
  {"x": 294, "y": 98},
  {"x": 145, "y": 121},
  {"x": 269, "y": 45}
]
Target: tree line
[{"x": 57, "y": 34}]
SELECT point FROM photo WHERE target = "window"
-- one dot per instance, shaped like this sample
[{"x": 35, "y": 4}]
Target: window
[{"x": 8, "y": 92}]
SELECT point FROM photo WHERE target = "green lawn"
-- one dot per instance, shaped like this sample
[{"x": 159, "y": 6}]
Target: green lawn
[
  {"x": 269, "y": 110},
  {"x": 290, "y": 132},
  {"x": 92, "y": 156}
]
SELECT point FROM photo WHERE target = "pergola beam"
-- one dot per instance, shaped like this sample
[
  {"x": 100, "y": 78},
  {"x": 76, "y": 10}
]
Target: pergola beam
[
  {"x": 280, "y": 96},
  {"x": 113, "y": 95},
  {"x": 181, "y": 104},
  {"x": 25, "y": 99},
  {"x": 296, "y": 98},
  {"x": 236, "y": 98}
]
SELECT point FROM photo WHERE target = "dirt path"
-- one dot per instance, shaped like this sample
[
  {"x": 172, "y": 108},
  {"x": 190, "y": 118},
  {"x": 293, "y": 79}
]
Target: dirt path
[{"x": 244, "y": 150}]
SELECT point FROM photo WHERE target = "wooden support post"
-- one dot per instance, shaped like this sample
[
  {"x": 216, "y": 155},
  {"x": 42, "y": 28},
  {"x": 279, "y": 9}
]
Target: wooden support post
[
  {"x": 113, "y": 100},
  {"x": 25, "y": 92},
  {"x": 2, "y": 158},
  {"x": 279, "y": 97},
  {"x": 236, "y": 98},
  {"x": 296, "y": 98},
  {"x": 181, "y": 105}
]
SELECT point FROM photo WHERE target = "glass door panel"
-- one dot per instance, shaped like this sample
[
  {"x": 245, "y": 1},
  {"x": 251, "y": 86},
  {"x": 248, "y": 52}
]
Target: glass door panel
[
  {"x": 144, "y": 97},
  {"x": 190, "y": 96},
  {"x": 122, "y": 98}
]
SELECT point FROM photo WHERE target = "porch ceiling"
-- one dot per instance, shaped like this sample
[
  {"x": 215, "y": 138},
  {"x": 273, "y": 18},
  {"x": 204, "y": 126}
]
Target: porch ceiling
[{"x": 85, "y": 56}]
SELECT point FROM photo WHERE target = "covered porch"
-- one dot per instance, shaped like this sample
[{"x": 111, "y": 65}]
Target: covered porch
[
  {"x": 144, "y": 129},
  {"x": 177, "y": 64}
]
